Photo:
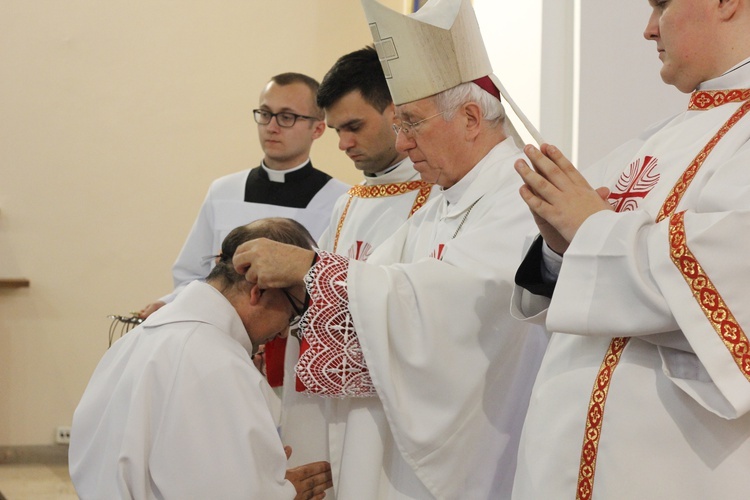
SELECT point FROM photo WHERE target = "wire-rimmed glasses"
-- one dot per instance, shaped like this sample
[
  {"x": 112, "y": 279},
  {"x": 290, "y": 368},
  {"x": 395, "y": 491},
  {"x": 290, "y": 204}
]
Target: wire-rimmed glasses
[{"x": 410, "y": 129}]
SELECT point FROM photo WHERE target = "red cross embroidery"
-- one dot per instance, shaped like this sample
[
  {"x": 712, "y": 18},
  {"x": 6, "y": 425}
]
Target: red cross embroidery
[
  {"x": 635, "y": 183},
  {"x": 438, "y": 252},
  {"x": 360, "y": 250}
]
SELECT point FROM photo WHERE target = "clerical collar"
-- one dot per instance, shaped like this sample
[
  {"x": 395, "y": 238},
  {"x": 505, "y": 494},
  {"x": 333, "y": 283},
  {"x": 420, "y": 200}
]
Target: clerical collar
[
  {"x": 280, "y": 175},
  {"x": 386, "y": 171}
]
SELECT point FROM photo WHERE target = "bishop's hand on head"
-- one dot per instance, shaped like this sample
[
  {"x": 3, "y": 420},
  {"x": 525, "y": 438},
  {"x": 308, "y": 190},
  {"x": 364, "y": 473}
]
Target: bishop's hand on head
[{"x": 271, "y": 264}]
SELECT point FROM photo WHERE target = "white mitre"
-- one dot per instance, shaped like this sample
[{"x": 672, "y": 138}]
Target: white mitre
[{"x": 432, "y": 50}]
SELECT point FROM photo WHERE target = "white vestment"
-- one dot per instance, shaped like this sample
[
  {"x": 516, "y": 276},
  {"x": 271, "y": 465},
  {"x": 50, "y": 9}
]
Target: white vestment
[
  {"x": 176, "y": 410},
  {"x": 451, "y": 368},
  {"x": 365, "y": 216},
  {"x": 362, "y": 219},
  {"x": 225, "y": 208},
  {"x": 672, "y": 278}
]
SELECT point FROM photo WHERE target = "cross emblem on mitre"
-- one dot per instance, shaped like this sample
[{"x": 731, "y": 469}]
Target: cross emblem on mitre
[{"x": 386, "y": 49}]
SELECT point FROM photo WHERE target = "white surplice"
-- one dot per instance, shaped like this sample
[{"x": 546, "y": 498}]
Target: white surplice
[
  {"x": 176, "y": 409},
  {"x": 451, "y": 368},
  {"x": 675, "y": 419}
]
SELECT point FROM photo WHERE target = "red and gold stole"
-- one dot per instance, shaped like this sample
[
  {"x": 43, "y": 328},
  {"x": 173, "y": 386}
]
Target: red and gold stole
[
  {"x": 381, "y": 191},
  {"x": 717, "y": 313}
]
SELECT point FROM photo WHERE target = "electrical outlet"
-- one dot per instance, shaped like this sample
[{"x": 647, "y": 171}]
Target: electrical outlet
[{"x": 62, "y": 436}]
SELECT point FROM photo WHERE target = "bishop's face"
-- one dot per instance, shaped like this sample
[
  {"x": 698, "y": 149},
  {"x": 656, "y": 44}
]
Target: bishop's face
[
  {"x": 685, "y": 36},
  {"x": 435, "y": 145}
]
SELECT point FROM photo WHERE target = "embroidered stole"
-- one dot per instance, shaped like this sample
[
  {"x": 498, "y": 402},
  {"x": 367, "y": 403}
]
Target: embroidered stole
[
  {"x": 383, "y": 190},
  {"x": 705, "y": 293}
]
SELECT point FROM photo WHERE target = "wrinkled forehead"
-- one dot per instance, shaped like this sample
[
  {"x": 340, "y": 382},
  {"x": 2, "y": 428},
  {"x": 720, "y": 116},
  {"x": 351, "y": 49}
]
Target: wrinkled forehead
[{"x": 416, "y": 110}]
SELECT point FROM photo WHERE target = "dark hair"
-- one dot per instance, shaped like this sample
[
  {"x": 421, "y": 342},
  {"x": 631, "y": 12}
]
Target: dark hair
[
  {"x": 284, "y": 79},
  {"x": 274, "y": 228},
  {"x": 359, "y": 70}
]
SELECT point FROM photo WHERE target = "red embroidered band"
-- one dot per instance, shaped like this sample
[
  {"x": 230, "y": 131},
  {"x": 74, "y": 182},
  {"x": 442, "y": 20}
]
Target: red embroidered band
[
  {"x": 687, "y": 177},
  {"x": 731, "y": 330},
  {"x": 383, "y": 190},
  {"x": 702, "y": 100},
  {"x": 595, "y": 416},
  {"x": 716, "y": 310}
]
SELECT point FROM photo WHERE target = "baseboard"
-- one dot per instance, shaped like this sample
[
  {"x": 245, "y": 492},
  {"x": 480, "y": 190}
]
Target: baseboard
[{"x": 56, "y": 454}]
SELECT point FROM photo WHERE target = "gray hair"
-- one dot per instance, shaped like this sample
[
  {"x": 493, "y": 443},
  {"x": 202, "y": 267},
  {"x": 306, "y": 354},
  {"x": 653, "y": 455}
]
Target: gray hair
[{"x": 448, "y": 101}]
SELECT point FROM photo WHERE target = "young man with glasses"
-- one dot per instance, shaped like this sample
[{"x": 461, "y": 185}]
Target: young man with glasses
[
  {"x": 176, "y": 409},
  {"x": 428, "y": 374},
  {"x": 285, "y": 184}
]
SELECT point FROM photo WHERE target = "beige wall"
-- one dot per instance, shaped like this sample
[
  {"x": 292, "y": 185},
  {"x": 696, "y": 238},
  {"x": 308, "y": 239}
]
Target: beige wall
[{"x": 116, "y": 116}]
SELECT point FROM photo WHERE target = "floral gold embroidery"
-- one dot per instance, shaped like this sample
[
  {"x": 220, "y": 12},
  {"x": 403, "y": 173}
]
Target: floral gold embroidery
[
  {"x": 705, "y": 293},
  {"x": 687, "y": 177},
  {"x": 706, "y": 99},
  {"x": 716, "y": 310},
  {"x": 595, "y": 416},
  {"x": 382, "y": 191}
]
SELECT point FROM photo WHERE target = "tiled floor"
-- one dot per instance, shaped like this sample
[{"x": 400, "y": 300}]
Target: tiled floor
[{"x": 36, "y": 482}]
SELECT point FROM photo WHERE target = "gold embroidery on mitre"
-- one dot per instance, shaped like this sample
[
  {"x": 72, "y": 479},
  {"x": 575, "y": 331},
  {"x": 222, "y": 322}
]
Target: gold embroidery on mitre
[
  {"x": 716, "y": 310},
  {"x": 728, "y": 329}
]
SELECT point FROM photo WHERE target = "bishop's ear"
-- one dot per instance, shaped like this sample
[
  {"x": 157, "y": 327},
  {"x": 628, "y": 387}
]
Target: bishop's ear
[{"x": 473, "y": 114}]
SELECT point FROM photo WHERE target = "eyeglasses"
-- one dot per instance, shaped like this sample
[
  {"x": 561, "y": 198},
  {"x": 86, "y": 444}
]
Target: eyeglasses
[
  {"x": 410, "y": 129},
  {"x": 284, "y": 119},
  {"x": 297, "y": 306}
]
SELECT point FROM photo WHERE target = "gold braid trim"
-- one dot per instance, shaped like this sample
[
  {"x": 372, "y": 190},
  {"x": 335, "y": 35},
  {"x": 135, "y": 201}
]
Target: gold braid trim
[
  {"x": 716, "y": 310},
  {"x": 595, "y": 416},
  {"x": 382, "y": 191},
  {"x": 687, "y": 177},
  {"x": 702, "y": 100},
  {"x": 341, "y": 223},
  {"x": 422, "y": 196},
  {"x": 705, "y": 293}
]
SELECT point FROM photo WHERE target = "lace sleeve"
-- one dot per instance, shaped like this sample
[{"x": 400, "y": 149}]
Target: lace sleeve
[{"x": 331, "y": 363}]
